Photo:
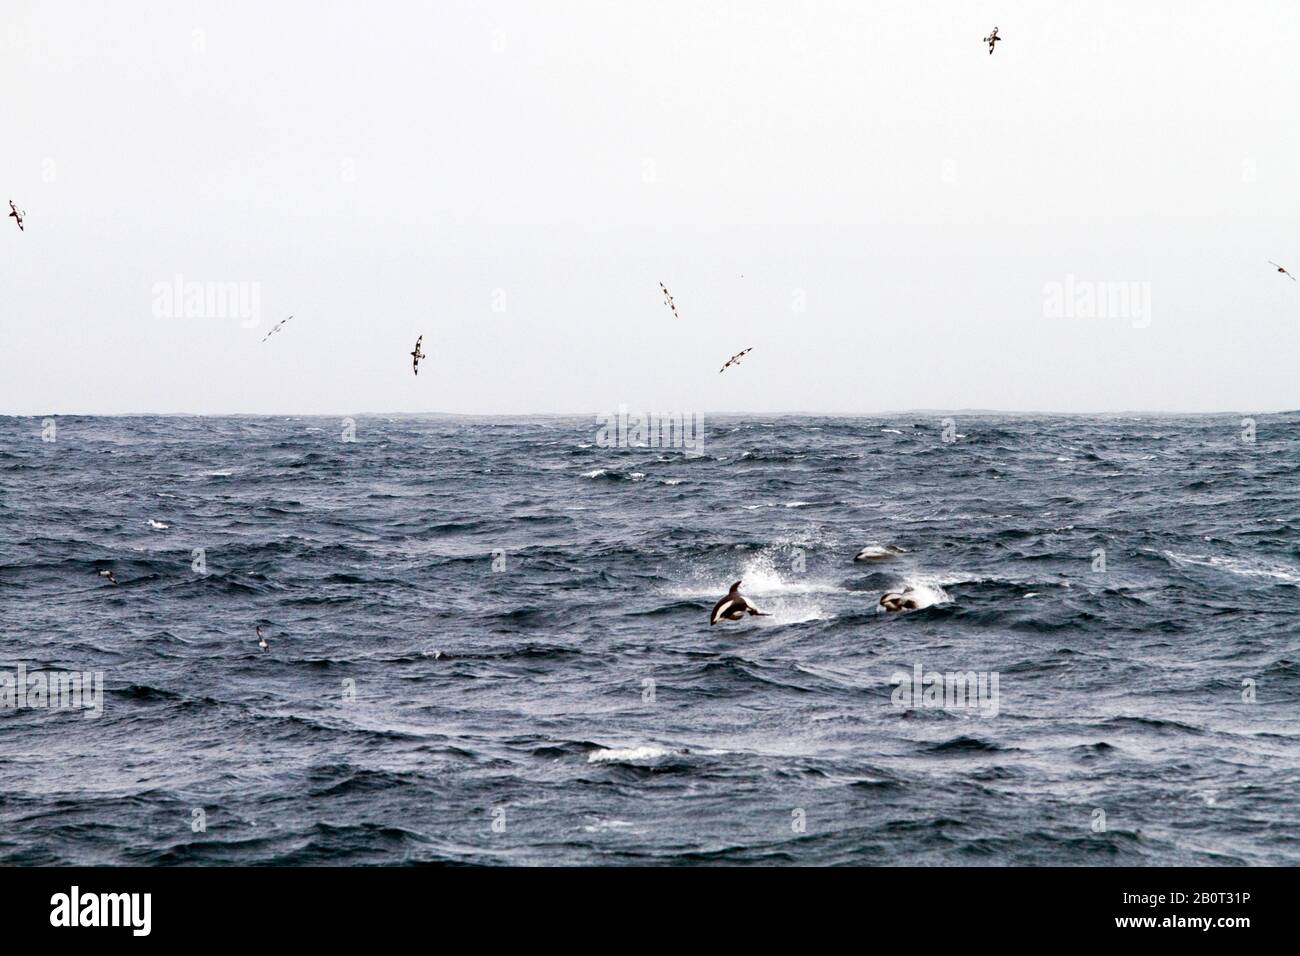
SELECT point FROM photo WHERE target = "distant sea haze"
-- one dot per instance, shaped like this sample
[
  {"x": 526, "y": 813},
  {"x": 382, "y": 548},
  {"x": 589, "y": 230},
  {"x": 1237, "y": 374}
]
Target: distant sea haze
[{"x": 488, "y": 640}]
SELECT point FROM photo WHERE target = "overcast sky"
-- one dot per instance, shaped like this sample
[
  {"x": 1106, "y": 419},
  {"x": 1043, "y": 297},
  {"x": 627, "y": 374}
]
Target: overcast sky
[{"x": 858, "y": 191}]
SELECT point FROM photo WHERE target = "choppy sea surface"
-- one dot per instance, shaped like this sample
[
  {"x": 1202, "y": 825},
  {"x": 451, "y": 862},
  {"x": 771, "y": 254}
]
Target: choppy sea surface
[{"x": 490, "y": 641}]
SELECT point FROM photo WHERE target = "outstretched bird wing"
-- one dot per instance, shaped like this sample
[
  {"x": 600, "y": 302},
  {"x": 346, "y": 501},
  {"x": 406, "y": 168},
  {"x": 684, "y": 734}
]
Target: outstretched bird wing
[
  {"x": 668, "y": 300},
  {"x": 275, "y": 328},
  {"x": 735, "y": 359}
]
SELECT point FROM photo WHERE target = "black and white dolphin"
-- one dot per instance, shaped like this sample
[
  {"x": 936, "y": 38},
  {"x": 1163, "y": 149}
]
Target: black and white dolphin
[
  {"x": 898, "y": 601},
  {"x": 733, "y": 607},
  {"x": 878, "y": 552}
]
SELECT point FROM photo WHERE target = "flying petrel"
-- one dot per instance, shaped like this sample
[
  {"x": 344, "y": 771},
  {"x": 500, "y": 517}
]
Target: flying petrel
[
  {"x": 1281, "y": 270},
  {"x": 262, "y": 641},
  {"x": 417, "y": 355},
  {"x": 735, "y": 359},
  {"x": 275, "y": 328},
  {"x": 106, "y": 573},
  {"x": 991, "y": 39},
  {"x": 668, "y": 300},
  {"x": 16, "y": 214}
]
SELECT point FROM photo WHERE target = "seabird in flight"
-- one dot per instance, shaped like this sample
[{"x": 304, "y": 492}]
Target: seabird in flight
[
  {"x": 1270, "y": 262},
  {"x": 417, "y": 355},
  {"x": 735, "y": 359},
  {"x": 275, "y": 328},
  {"x": 991, "y": 39},
  {"x": 668, "y": 300},
  {"x": 262, "y": 641},
  {"x": 107, "y": 573},
  {"x": 733, "y": 607},
  {"x": 17, "y": 214}
]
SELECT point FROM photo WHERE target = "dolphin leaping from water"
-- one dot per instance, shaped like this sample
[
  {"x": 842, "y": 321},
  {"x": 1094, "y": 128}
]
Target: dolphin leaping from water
[
  {"x": 898, "y": 601},
  {"x": 733, "y": 607}
]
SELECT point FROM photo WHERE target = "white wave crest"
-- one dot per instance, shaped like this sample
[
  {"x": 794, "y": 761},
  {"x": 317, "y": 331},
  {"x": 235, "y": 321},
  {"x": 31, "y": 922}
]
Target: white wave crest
[
  {"x": 624, "y": 754},
  {"x": 774, "y": 581},
  {"x": 1240, "y": 566},
  {"x": 925, "y": 591}
]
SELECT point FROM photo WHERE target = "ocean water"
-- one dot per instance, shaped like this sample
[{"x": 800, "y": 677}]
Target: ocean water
[{"x": 490, "y": 641}]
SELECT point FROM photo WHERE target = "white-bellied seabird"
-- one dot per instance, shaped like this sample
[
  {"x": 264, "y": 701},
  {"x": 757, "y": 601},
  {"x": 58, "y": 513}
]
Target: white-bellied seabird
[
  {"x": 898, "y": 601},
  {"x": 17, "y": 214},
  {"x": 991, "y": 39},
  {"x": 733, "y": 607},
  {"x": 1281, "y": 270},
  {"x": 106, "y": 573},
  {"x": 668, "y": 300},
  {"x": 417, "y": 355},
  {"x": 158, "y": 525},
  {"x": 275, "y": 328},
  {"x": 877, "y": 552},
  {"x": 262, "y": 641},
  {"x": 735, "y": 359}
]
